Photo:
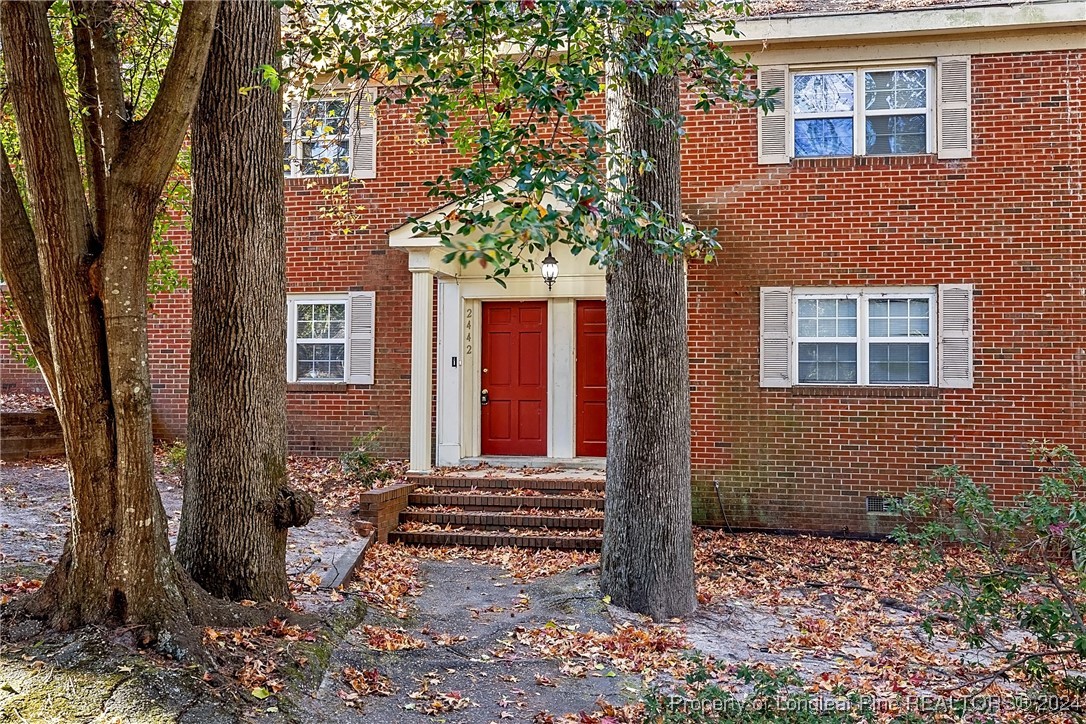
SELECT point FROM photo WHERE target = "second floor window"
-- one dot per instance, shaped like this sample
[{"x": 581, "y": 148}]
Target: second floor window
[
  {"x": 873, "y": 112},
  {"x": 317, "y": 139}
]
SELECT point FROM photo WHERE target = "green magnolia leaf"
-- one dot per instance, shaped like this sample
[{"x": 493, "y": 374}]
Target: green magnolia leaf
[{"x": 270, "y": 76}]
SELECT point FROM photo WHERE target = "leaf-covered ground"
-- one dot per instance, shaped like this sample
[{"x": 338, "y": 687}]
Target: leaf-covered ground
[{"x": 467, "y": 635}]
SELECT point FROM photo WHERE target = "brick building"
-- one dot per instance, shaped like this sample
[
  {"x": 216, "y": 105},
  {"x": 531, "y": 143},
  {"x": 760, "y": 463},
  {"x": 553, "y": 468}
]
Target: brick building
[{"x": 902, "y": 282}]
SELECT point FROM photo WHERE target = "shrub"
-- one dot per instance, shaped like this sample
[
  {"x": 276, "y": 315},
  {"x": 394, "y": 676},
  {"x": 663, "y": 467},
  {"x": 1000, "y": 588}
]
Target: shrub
[
  {"x": 361, "y": 464},
  {"x": 773, "y": 697},
  {"x": 1017, "y": 568},
  {"x": 175, "y": 458}
]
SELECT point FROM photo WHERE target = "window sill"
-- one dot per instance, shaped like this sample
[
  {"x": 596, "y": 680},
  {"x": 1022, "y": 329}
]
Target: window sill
[
  {"x": 316, "y": 387},
  {"x": 888, "y": 392},
  {"x": 329, "y": 179},
  {"x": 920, "y": 159}
]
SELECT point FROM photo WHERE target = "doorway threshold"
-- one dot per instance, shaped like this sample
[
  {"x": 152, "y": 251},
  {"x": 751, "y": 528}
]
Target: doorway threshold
[{"x": 516, "y": 461}]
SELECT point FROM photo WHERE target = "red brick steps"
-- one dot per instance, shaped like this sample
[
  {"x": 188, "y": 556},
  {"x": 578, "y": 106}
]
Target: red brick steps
[
  {"x": 493, "y": 539},
  {"x": 547, "y": 484},
  {"x": 502, "y": 520},
  {"x": 483, "y": 500},
  {"x": 499, "y": 507}
]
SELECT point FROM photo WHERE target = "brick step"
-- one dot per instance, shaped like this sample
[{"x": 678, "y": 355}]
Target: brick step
[
  {"x": 512, "y": 482},
  {"x": 501, "y": 520},
  {"x": 482, "y": 501},
  {"x": 491, "y": 539}
]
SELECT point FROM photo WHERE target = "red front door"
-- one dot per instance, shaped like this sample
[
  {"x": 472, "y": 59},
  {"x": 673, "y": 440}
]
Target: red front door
[
  {"x": 591, "y": 379},
  {"x": 514, "y": 378}
]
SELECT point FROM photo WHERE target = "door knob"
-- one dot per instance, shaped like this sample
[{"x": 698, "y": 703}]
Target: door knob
[{"x": 484, "y": 397}]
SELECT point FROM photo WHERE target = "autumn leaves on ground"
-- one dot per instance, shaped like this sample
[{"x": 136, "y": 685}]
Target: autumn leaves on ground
[{"x": 489, "y": 635}]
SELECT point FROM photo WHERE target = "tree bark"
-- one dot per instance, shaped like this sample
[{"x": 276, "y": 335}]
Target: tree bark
[
  {"x": 237, "y": 505},
  {"x": 117, "y": 566},
  {"x": 647, "y": 562}
]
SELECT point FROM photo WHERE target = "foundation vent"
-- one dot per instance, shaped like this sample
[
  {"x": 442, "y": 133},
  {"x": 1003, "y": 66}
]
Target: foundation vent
[{"x": 880, "y": 505}]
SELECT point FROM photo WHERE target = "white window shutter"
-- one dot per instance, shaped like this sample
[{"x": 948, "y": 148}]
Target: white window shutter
[
  {"x": 773, "y": 126},
  {"x": 776, "y": 337},
  {"x": 360, "y": 338},
  {"x": 955, "y": 335},
  {"x": 953, "y": 107},
  {"x": 364, "y": 137}
]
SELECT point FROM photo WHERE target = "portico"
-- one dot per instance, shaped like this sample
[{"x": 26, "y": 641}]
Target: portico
[{"x": 524, "y": 355}]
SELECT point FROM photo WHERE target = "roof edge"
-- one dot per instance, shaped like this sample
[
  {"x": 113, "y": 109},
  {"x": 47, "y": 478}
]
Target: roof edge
[{"x": 996, "y": 17}]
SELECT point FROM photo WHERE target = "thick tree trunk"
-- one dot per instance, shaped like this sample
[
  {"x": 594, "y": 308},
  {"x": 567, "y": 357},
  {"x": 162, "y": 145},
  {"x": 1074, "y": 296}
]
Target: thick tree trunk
[
  {"x": 237, "y": 506},
  {"x": 647, "y": 563},
  {"x": 116, "y": 566}
]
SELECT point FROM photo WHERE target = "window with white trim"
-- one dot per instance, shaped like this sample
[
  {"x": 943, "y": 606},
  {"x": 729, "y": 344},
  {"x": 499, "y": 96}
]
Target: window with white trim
[
  {"x": 335, "y": 136},
  {"x": 330, "y": 338},
  {"x": 317, "y": 138},
  {"x": 913, "y": 336},
  {"x": 864, "y": 339},
  {"x": 910, "y": 108},
  {"x": 863, "y": 112}
]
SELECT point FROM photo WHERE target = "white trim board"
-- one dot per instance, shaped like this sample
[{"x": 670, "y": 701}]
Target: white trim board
[{"x": 844, "y": 27}]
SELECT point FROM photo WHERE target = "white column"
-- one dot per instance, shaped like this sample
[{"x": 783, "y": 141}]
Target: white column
[
  {"x": 422, "y": 328},
  {"x": 449, "y": 364},
  {"x": 563, "y": 375}
]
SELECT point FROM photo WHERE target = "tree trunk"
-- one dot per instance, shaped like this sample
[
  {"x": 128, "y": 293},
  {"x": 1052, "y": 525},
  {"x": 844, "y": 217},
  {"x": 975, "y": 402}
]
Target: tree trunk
[
  {"x": 237, "y": 506},
  {"x": 91, "y": 283},
  {"x": 647, "y": 562}
]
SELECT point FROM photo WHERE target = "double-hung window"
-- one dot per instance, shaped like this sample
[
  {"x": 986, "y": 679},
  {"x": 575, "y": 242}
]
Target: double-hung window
[
  {"x": 320, "y": 340},
  {"x": 331, "y": 137},
  {"x": 317, "y": 138},
  {"x": 865, "y": 339},
  {"x": 888, "y": 336},
  {"x": 907, "y": 108},
  {"x": 863, "y": 112},
  {"x": 330, "y": 338}
]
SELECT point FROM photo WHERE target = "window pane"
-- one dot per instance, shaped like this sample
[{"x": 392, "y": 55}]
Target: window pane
[
  {"x": 816, "y": 93},
  {"x": 321, "y": 361},
  {"x": 288, "y": 138},
  {"x": 823, "y": 137},
  {"x": 898, "y": 317},
  {"x": 892, "y": 89},
  {"x": 887, "y": 135},
  {"x": 827, "y": 318},
  {"x": 325, "y": 136},
  {"x": 321, "y": 321},
  {"x": 827, "y": 362},
  {"x": 325, "y": 158},
  {"x": 899, "y": 363}
]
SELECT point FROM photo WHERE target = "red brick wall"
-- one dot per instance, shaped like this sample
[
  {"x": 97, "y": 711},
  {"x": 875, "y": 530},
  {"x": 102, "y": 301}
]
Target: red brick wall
[
  {"x": 322, "y": 258},
  {"x": 16, "y": 375},
  {"x": 1010, "y": 220}
]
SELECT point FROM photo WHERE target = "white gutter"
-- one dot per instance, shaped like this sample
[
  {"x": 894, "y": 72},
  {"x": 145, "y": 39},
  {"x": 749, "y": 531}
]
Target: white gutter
[{"x": 1004, "y": 17}]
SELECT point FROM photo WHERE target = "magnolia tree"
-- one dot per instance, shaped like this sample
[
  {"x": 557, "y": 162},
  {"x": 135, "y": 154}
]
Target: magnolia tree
[{"x": 578, "y": 101}]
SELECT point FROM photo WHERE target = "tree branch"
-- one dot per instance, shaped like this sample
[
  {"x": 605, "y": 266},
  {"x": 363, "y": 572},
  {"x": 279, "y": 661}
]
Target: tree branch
[
  {"x": 151, "y": 144},
  {"x": 96, "y": 20},
  {"x": 41, "y": 110},
  {"x": 93, "y": 141},
  {"x": 19, "y": 265}
]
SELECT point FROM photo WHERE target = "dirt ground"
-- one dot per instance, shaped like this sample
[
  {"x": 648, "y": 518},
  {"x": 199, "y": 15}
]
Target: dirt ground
[{"x": 459, "y": 635}]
